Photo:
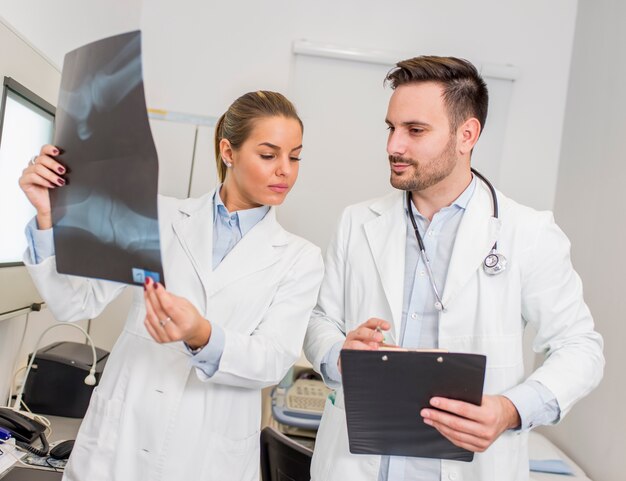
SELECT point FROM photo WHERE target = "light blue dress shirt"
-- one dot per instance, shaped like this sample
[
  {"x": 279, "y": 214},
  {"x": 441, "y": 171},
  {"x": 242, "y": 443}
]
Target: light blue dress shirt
[
  {"x": 228, "y": 229},
  {"x": 420, "y": 326}
]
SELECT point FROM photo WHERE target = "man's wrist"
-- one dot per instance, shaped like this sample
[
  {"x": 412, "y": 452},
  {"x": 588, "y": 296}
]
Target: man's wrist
[{"x": 513, "y": 419}]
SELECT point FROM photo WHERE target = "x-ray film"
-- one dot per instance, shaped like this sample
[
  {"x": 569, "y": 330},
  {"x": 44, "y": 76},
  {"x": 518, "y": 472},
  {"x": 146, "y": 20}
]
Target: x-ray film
[{"x": 105, "y": 218}]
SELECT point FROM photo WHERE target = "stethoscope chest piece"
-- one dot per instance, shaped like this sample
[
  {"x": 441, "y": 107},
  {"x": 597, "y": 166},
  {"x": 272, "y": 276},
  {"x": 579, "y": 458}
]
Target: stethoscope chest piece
[{"x": 494, "y": 263}]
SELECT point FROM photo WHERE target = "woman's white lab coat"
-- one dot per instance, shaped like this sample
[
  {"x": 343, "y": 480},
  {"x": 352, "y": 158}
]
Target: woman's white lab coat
[
  {"x": 155, "y": 417},
  {"x": 484, "y": 314}
]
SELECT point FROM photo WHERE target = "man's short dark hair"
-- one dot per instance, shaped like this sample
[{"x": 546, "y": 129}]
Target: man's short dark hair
[{"x": 464, "y": 91}]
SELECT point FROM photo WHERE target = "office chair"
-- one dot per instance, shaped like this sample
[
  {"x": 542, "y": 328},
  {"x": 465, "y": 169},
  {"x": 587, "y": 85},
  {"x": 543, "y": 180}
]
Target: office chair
[{"x": 282, "y": 459}]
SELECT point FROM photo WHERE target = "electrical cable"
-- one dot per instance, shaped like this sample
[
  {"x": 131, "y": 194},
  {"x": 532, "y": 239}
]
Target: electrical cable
[
  {"x": 90, "y": 380},
  {"x": 17, "y": 354}
]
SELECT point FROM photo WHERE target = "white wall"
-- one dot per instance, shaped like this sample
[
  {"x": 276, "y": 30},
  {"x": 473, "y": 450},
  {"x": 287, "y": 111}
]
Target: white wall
[
  {"x": 211, "y": 52},
  {"x": 57, "y": 27},
  {"x": 590, "y": 209}
]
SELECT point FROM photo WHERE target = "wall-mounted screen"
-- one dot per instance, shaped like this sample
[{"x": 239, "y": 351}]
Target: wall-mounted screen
[{"x": 26, "y": 123}]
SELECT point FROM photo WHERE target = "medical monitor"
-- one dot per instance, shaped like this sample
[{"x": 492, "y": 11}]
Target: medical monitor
[{"x": 26, "y": 123}]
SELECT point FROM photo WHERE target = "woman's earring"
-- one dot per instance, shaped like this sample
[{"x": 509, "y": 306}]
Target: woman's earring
[{"x": 228, "y": 164}]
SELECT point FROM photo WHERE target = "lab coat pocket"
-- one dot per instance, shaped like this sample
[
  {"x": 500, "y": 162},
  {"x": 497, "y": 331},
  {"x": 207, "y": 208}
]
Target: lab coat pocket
[
  {"x": 103, "y": 422},
  {"x": 232, "y": 458},
  {"x": 333, "y": 421},
  {"x": 93, "y": 456}
]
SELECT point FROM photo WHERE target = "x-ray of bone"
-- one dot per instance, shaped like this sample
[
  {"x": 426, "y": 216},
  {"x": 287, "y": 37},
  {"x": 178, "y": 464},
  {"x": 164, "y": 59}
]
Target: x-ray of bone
[
  {"x": 104, "y": 89},
  {"x": 105, "y": 218}
]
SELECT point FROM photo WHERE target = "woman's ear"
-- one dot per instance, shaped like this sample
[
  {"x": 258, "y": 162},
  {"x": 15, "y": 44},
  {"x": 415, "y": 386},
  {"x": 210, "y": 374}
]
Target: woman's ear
[
  {"x": 226, "y": 151},
  {"x": 468, "y": 134}
]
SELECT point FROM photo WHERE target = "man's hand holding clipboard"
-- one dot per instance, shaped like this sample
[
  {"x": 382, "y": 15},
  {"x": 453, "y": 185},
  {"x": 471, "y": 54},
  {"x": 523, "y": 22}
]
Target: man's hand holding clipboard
[
  {"x": 388, "y": 388},
  {"x": 469, "y": 426}
]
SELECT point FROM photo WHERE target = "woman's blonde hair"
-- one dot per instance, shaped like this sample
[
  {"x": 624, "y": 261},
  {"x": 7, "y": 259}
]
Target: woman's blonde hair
[{"x": 237, "y": 122}]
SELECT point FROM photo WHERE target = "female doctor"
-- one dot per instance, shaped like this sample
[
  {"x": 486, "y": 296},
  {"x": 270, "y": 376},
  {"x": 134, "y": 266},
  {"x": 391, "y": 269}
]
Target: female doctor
[{"x": 181, "y": 395}]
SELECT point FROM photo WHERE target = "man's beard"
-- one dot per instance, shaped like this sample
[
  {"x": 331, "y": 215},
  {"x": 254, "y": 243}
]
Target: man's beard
[{"x": 423, "y": 178}]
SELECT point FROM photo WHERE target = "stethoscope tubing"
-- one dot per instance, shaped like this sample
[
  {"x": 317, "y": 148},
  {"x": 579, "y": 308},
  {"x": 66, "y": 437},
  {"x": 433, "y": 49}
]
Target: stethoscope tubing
[{"x": 439, "y": 304}]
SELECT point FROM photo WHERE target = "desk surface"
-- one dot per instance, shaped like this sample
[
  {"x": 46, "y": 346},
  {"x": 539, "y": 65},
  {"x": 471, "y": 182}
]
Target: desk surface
[
  {"x": 28, "y": 474},
  {"x": 62, "y": 429}
]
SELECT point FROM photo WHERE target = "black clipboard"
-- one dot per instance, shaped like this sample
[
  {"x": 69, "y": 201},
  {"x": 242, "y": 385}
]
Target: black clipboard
[{"x": 385, "y": 391}]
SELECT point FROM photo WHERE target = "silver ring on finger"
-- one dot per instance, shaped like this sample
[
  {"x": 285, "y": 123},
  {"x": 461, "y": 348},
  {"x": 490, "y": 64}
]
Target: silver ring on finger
[
  {"x": 33, "y": 160},
  {"x": 162, "y": 322}
]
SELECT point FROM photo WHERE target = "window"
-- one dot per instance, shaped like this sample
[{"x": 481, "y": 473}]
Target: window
[{"x": 26, "y": 123}]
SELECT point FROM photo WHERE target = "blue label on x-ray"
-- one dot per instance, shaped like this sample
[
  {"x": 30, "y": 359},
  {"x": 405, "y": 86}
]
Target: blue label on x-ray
[{"x": 139, "y": 276}]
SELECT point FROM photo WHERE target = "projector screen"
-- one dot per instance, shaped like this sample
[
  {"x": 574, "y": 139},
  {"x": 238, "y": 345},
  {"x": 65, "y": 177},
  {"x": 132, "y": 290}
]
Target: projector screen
[{"x": 26, "y": 123}]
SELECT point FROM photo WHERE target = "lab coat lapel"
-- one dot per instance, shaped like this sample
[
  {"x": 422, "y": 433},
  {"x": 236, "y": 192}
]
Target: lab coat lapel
[
  {"x": 477, "y": 233},
  {"x": 195, "y": 234},
  {"x": 257, "y": 250},
  {"x": 386, "y": 236}
]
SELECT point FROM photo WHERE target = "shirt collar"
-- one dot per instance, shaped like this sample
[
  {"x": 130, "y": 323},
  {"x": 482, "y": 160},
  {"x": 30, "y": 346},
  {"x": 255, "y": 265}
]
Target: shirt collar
[
  {"x": 461, "y": 201},
  {"x": 246, "y": 219}
]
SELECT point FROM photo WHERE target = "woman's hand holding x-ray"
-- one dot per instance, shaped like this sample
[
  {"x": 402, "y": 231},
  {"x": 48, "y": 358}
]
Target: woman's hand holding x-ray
[
  {"x": 42, "y": 174},
  {"x": 172, "y": 318}
]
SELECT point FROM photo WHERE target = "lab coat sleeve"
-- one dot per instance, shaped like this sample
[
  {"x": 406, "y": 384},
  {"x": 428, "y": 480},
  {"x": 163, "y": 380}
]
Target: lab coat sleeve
[
  {"x": 327, "y": 325},
  {"x": 535, "y": 404},
  {"x": 552, "y": 302},
  {"x": 263, "y": 358},
  {"x": 208, "y": 358},
  {"x": 40, "y": 242},
  {"x": 69, "y": 298}
]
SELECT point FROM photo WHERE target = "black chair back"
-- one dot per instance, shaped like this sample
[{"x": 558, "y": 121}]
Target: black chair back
[{"x": 282, "y": 459}]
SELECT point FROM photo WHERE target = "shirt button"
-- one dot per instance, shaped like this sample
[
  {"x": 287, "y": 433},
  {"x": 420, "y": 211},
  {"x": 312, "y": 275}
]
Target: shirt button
[
  {"x": 431, "y": 233},
  {"x": 453, "y": 475},
  {"x": 422, "y": 273},
  {"x": 414, "y": 315}
]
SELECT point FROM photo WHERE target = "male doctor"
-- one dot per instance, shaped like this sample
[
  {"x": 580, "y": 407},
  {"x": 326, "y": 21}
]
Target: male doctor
[{"x": 468, "y": 301}]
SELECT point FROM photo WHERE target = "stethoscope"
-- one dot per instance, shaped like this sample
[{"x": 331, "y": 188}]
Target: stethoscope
[{"x": 494, "y": 263}]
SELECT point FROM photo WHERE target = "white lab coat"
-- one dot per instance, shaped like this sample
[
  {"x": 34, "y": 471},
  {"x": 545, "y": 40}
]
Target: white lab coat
[
  {"x": 153, "y": 416},
  {"x": 484, "y": 314}
]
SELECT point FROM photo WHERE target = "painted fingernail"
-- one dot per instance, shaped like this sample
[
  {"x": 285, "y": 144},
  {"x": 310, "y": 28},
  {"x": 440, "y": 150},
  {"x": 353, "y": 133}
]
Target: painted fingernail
[
  {"x": 146, "y": 282},
  {"x": 55, "y": 151},
  {"x": 61, "y": 181},
  {"x": 61, "y": 170}
]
